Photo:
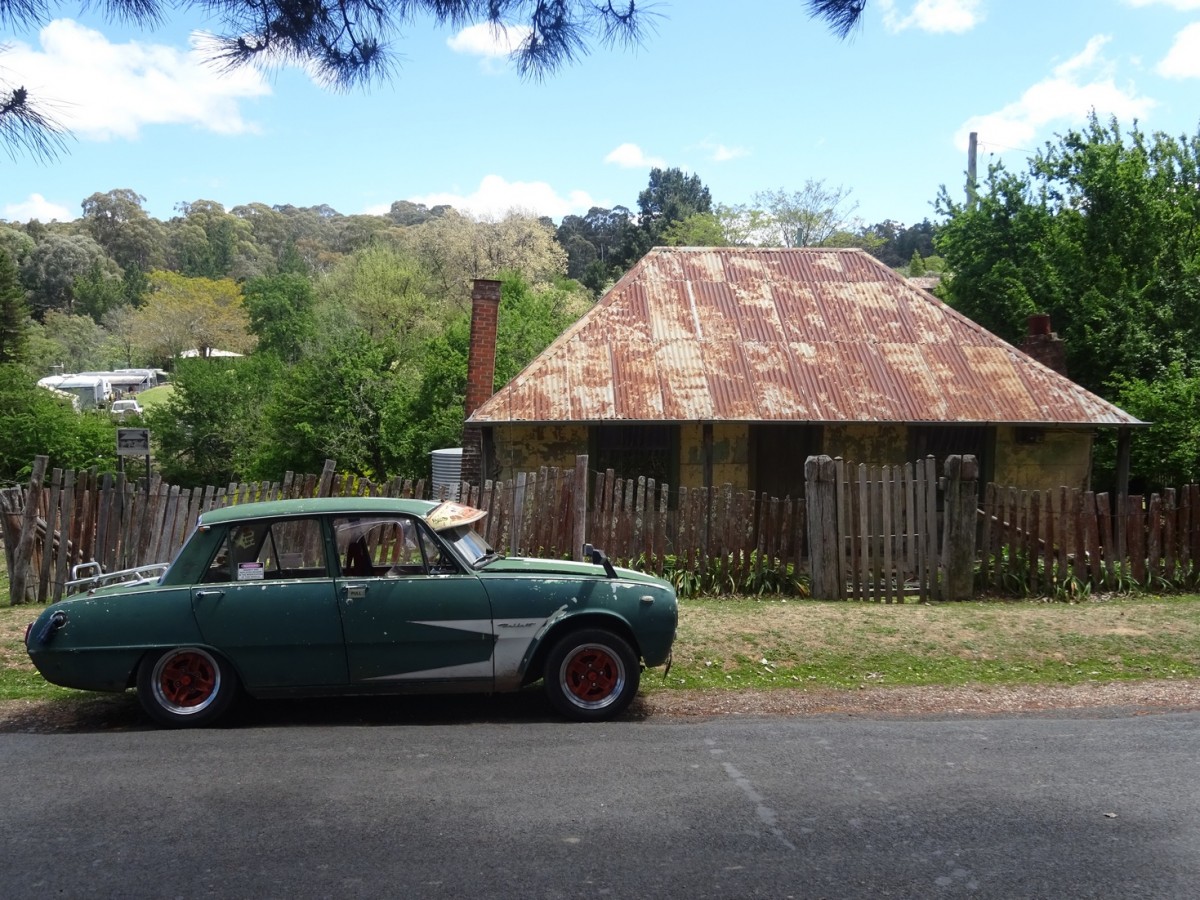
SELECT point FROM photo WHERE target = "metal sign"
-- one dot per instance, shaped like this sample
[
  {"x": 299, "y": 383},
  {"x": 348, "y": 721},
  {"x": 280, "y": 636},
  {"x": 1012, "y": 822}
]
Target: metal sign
[{"x": 133, "y": 442}]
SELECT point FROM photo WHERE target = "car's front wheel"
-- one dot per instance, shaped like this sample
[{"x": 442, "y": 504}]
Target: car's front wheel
[
  {"x": 185, "y": 686},
  {"x": 591, "y": 675}
]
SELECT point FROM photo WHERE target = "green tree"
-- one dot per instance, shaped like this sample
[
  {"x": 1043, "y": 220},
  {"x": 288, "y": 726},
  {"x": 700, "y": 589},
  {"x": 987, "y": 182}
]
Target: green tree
[
  {"x": 1167, "y": 453},
  {"x": 14, "y": 313},
  {"x": 427, "y": 413},
  {"x": 916, "y": 266},
  {"x": 591, "y": 243},
  {"x": 383, "y": 292},
  {"x": 1100, "y": 233},
  {"x": 97, "y": 291},
  {"x": 670, "y": 197},
  {"x": 207, "y": 242},
  {"x": 697, "y": 230},
  {"x": 184, "y": 313},
  {"x": 331, "y": 405},
  {"x": 33, "y": 421},
  {"x": 211, "y": 428},
  {"x": 804, "y": 218},
  {"x": 16, "y": 242},
  {"x": 454, "y": 249},
  {"x": 76, "y": 343},
  {"x": 281, "y": 311},
  {"x": 119, "y": 224},
  {"x": 52, "y": 268},
  {"x": 894, "y": 243}
]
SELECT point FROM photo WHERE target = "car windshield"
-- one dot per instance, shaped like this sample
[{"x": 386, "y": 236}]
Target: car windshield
[{"x": 470, "y": 544}]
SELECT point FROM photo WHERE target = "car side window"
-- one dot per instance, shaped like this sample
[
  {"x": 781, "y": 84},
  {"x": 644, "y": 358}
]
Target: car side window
[
  {"x": 270, "y": 550},
  {"x": 439, "y": 559},
  {"x": 388, "y": 546}
]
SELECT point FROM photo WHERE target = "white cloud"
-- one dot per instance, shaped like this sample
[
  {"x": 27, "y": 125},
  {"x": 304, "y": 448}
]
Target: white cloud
[
  {"x": 934, "y": 16},
  {"x": 100, "y": 90},
  {"x": 487, "y": 40},
  {"x": 1174, "y": 4},
  {"x": 1074, "y": 88},
  {"x": 631, "y": 156},
  {"x": 36, "y": 207},
  {"x": 1183, "y": 59},
  {"x": 494, "y": 43},
  {"x": 495, "y": 197},
  {"x": 720, "y": 152}
]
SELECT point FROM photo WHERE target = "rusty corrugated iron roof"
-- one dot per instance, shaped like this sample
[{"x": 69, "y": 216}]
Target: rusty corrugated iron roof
[{"x": 815, "y": 335}]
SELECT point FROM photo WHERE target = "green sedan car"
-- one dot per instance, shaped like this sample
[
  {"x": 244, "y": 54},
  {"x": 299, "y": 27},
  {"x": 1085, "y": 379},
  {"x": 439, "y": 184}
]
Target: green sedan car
[{"x": 358, "y": 596}]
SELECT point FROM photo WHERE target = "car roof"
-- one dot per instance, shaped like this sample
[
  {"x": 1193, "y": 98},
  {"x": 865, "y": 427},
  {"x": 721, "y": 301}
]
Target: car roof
[{"x": 316, "y": 506}]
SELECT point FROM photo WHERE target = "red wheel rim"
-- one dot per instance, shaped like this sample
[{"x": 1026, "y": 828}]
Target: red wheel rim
[
  {"x": 593, "y": 676},
  {"x": 186, "y": 681}
]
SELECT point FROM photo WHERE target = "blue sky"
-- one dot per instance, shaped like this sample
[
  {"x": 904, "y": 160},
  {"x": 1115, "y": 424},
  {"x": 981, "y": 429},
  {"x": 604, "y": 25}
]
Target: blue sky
[{"x": 751, "y": 98}]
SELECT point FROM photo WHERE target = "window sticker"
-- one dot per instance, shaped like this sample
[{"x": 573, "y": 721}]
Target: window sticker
[{"x": 250, "y": 571}]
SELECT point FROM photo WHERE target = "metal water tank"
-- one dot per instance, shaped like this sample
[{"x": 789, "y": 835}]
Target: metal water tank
[{"x": 447, "y": 473}]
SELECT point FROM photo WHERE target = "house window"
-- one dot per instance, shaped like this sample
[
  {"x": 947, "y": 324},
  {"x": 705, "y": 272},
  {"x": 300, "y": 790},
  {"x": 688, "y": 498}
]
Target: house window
[
  {"x": 940, "y": 441},
  {"x": 777, "y": 454},
  {"x": 633, "y": 451}
]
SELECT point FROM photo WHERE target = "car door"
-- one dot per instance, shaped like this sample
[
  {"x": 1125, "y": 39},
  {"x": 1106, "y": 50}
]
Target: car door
[
  {"x": 269, "y": 604},
  {"x": 411, "y": 614}
]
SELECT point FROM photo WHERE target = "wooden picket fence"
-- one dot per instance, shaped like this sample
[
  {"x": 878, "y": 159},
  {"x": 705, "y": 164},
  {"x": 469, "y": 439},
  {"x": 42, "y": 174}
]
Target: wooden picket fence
[
  {"x": 882, "y": 533},
  {"x": 1066, "y": 542},
  {"x": 85, "y": 516},
  {"x": 706, "y": 539}
]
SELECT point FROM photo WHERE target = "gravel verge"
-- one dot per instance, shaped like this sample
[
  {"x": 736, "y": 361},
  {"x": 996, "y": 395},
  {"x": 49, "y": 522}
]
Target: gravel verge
[{"x": 1119, "y": 698}]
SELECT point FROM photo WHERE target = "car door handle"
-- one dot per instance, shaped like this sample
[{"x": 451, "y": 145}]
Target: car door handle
[
  {"x": 354, "y": 592},
  {"x": 201, "y": 595}
]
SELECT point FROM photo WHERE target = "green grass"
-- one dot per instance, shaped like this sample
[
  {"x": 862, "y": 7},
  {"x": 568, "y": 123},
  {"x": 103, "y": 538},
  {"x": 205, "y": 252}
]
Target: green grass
[
  {"x": 757, "y": 644},
  {"x": 748, "y": 644},
  {"x": 156, "y": 396}
]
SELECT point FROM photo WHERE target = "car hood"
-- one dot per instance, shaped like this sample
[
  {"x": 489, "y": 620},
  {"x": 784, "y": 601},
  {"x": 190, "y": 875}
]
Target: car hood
[{"x": 517, "y": 565}]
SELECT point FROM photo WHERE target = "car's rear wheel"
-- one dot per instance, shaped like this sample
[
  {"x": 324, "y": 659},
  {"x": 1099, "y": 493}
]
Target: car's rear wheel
[
  {"x": 591, "y": 674},
  {"x": 185, "y": 686}
]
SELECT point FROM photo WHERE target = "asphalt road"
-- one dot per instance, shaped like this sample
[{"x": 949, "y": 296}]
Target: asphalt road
[{"x": 463, "y": 799}]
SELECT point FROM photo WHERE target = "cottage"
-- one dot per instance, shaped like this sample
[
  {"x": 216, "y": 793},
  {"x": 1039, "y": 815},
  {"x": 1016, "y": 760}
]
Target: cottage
[{"x": 711, "y": 365}]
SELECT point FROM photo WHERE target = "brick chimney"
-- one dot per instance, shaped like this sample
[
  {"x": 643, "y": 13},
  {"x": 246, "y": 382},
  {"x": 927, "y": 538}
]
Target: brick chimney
[
  {"x": 481, "y": 371},
  {"x": 1045, "y": 345}
]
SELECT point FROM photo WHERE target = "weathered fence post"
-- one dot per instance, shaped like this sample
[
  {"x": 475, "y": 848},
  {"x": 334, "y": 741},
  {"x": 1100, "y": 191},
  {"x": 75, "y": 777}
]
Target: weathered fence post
[
  {"x": 820, "y": 477},
  {"x": 22, "y": 590},
  {"x": 962, "y": 503},
  {"x": 579, "y": 512}
]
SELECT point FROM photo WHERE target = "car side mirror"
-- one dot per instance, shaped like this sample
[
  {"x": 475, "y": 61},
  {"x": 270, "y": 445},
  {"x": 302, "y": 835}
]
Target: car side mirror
[{"x": 596, "y": 557}]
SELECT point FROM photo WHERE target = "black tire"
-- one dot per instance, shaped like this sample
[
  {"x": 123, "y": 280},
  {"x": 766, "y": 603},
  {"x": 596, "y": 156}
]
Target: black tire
[
  {"x": 591, "y": 675},
  {"x": 185, "y": 687}
]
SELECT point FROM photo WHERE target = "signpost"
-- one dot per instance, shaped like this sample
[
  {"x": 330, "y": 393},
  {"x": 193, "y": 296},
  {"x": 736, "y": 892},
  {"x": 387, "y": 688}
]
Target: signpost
[{"x": 134, "y": 442}]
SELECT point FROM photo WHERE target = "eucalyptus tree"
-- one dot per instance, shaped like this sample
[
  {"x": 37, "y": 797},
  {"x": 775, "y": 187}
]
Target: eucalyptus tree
[
  {"x": 455, "y": 248},
  {"x": 119, "y": 224},
  {"x": 807, "y": 217},
  {"x": 50, "y": 270}
]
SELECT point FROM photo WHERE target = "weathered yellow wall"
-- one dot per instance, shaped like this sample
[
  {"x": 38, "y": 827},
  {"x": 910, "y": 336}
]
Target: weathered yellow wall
[
  {"x": 1062, "y": 458},
  {"x": 731, "y": 441},
  {"x": 878, "y": 445},
  {"x": 525, "y": 448}
]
